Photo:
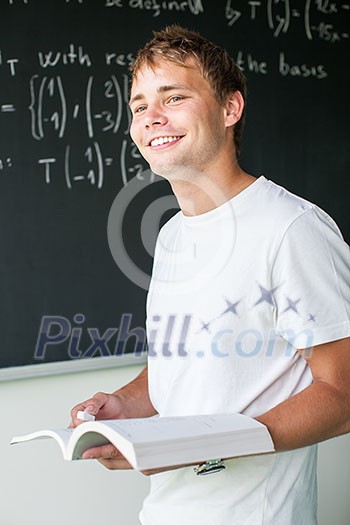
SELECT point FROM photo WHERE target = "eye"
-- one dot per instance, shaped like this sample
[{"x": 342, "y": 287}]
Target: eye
[
  {"x": 139, "y": 109},
  {"x": 176, "y": 98}
]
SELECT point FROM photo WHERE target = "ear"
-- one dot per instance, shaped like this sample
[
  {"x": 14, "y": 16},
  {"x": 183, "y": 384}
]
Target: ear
[{"x": 233, "y": 108}]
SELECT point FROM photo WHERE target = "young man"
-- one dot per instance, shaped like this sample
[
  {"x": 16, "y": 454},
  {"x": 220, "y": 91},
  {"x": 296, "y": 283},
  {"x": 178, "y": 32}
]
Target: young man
[{"x": 249, "y": 294}]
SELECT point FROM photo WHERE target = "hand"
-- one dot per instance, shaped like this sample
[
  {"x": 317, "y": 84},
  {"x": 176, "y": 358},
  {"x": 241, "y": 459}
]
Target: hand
[
  {"x": 128, "y": 402},
  {"x": 111, "y": 458},
  {"x": 102, "y": 406},
  {"x": 108, "y": 456},
  {"x": 108, "y": 406}
]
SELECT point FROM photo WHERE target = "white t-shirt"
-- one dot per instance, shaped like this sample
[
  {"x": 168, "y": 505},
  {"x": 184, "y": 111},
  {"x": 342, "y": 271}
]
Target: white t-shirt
[{"x": 234, "y": 293}]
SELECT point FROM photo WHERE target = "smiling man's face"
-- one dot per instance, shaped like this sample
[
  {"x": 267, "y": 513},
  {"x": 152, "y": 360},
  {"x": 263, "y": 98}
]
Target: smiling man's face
[{"x": 178, "y": 125}]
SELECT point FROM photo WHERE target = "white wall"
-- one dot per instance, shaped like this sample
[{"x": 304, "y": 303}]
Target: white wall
[
  {"x": 38, "y": 487},
  {"x": 334, "y": 481}
]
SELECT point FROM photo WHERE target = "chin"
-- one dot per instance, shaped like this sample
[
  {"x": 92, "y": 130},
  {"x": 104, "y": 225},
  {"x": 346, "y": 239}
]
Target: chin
[
  {"x": 163, "y": 170},
  {"x": 177, "y": 170},
  {"x": 168, "y": 172}
]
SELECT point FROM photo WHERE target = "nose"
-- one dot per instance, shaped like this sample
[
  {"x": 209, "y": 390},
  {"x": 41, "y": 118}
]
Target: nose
[{"x": 154, "y": 117}]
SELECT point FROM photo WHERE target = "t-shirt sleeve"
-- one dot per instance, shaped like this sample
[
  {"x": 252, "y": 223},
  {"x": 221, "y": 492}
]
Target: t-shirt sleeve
[{"x": 311, "y": 274}]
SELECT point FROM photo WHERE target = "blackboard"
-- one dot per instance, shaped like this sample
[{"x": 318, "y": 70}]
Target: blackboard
[{"x": 65, "y": 153}]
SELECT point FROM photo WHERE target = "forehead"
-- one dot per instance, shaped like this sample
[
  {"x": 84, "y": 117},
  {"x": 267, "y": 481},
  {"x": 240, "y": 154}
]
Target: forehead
[{"x": 166, "y": 73}]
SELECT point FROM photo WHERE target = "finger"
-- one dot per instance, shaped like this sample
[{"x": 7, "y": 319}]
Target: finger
[
  {"x": 96, "y": 403},
  {"x": 75, "y": 421},
  {"x": 115, "y": 464},
  {"x": 92, "y": 406},
  {"x": 104, "y": 451}
]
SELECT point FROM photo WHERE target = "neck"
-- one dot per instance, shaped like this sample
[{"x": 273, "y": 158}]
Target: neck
[{"x": 199, "y": 193}]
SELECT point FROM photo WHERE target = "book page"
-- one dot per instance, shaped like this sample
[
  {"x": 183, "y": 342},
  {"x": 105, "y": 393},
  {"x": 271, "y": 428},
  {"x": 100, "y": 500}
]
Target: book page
[
  {"x": 158, "y": 429},
  {"x": 61, "y": 435}
]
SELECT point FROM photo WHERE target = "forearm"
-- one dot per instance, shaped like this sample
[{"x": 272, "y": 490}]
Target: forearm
[
  {"x": 136, "y": 398},
  {"x": 317, "y": 413}
]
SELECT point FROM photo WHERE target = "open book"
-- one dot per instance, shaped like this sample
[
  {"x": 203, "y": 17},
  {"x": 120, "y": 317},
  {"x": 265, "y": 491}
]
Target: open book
[{"x": 165, "y": 441}]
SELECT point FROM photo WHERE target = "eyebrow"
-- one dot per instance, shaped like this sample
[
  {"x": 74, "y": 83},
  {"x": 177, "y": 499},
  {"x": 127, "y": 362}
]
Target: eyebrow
[{"x": 161, "y": 89}]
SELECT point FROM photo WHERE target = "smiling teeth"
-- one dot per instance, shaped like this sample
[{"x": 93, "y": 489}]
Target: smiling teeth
[{"x": 163, "y": 140}]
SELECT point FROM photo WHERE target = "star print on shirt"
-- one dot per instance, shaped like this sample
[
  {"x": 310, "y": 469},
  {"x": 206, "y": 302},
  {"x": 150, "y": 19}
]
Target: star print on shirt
[
  {"x": 266, "y": 296},
  {"x": 205, "y": 327},
  {"x": 312, "y": 318},
  {"x": 292, "y": 305},
  {"x": 231, "y": 307}
]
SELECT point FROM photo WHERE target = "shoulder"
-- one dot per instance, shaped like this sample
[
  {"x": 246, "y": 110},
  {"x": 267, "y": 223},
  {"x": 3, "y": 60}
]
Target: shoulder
[
  {"x": 282, "y": 202},
  {"x": 284, "y": 210}
]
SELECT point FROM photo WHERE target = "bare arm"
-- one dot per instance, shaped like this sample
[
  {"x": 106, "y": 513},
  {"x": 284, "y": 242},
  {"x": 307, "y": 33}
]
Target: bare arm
[
  {"x": 132, "y": 400},
  {"x": 136, "y": 398},
  {"x": 322, "y": 410}
]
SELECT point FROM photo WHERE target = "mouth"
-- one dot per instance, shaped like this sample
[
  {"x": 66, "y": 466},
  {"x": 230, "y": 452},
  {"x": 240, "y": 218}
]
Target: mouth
[{"x": 161, "y": 142}]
